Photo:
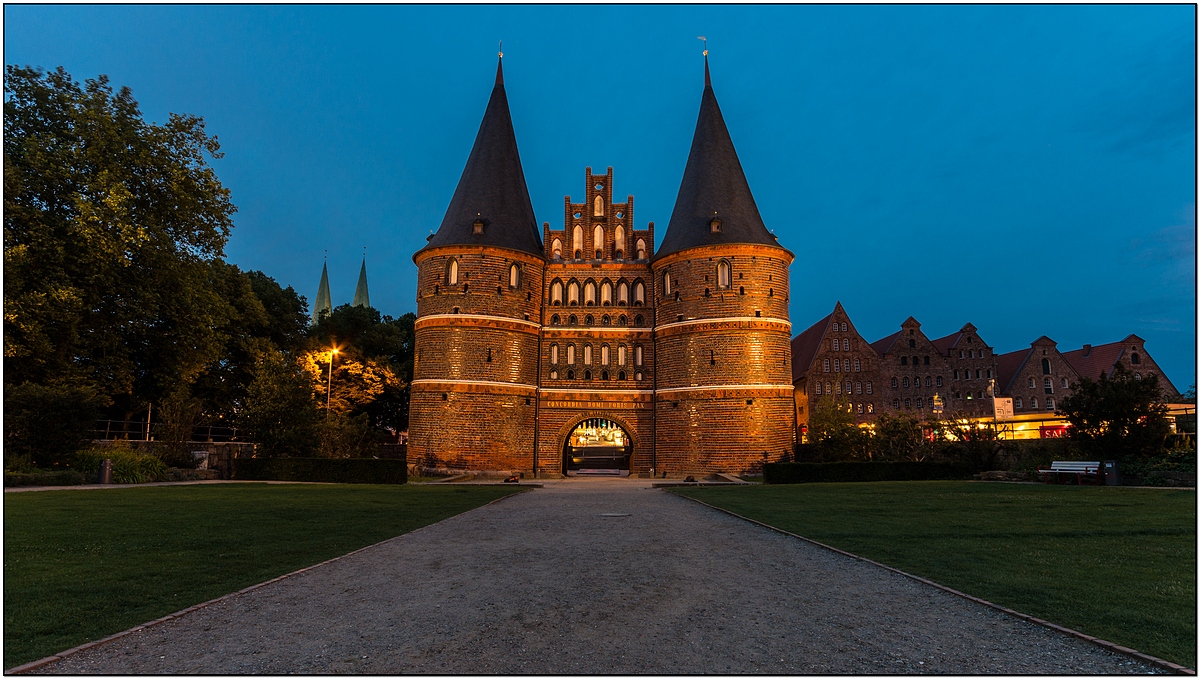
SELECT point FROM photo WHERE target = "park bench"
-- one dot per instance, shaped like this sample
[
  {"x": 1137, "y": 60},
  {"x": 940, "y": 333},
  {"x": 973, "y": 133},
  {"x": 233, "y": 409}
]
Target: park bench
[{"x": 1064, "y": 468}]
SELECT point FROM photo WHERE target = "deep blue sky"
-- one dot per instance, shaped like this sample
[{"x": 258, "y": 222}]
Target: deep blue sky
[{"x": 1030, "y": 169}]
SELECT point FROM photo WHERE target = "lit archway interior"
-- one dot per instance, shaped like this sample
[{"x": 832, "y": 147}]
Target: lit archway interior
[{"x": 597, "y": 447}]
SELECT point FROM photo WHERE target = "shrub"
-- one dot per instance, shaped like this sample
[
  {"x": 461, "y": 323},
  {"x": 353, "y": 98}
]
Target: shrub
[
  {"x": 45, "y": 424},
  {"x": 321, "y": 470},
  {"x": 808, "y": 472},
  {"x": 129, "y": 465}
]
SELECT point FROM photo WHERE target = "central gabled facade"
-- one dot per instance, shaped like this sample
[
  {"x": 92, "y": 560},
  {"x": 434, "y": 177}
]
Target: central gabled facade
[{"x": 582, "y": 349}]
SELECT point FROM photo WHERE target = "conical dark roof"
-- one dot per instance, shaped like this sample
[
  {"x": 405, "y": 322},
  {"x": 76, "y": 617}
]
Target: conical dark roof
[
  {"x": 492, "y": 188},
  {"x": 713, "y": 186}
]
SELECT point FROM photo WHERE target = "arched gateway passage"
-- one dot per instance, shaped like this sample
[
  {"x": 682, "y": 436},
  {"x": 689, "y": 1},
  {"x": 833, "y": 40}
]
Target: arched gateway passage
[{"x": 597, "y": 447}]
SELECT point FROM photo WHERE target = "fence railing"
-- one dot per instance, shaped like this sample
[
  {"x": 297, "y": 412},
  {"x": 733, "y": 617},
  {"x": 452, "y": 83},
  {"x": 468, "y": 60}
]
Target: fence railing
[{"x": 136, "y": 430}]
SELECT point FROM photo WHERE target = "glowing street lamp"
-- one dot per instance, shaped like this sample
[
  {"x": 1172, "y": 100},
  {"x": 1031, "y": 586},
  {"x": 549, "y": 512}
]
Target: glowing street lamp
[{"x": 329, "y": 388}]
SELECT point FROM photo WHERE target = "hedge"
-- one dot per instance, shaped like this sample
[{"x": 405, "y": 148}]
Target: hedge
[
  {"x": 818, "y": 472},
  {"x": 321, "y": 469},
  {"x": 63, "y": 478}
]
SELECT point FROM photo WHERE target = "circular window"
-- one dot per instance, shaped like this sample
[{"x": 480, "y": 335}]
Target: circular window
[
  {"x": 578, "y": 215},
  {"x": 599, "y": 187},
  {"x": 620, "y": 215}
]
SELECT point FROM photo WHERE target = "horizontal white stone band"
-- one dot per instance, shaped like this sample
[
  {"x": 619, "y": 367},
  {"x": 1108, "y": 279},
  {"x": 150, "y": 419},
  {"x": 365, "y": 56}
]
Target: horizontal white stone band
[
  {"x": 726, "y": 319},
  {"x": 596, "y": 391},
  {"x": 507, "y": 319},
  {"x": 726, "y": 386},
  {"x": 484, "y": 383}
]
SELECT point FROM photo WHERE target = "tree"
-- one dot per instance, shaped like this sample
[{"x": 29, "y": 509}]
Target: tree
[
  {"x": 899, "y": 437},
  {"x": 833, "y": 427},
  {"x": 45, "y": 424},
  {"x": 111, "y": 228},
  {"x": 281, "y": 409},
  {"x": 1119, "y": 417}
]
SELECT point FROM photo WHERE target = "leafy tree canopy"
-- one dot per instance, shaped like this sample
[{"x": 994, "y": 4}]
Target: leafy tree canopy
[
  {"x": 112, "y": 226},
  {"x": 1118, "y": 417}
]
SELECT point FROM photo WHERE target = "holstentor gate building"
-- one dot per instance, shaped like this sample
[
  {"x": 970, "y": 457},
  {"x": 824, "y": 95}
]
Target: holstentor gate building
[{"x": 543, "y": 350}]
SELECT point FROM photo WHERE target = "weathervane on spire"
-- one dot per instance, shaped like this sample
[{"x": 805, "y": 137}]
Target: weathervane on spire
[
  {"x": 501, "y": 49},
  {"x": 701, "y": 37}
]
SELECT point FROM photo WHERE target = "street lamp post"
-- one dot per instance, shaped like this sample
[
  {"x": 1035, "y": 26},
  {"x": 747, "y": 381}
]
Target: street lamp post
[{"x": 329, "y": 387}]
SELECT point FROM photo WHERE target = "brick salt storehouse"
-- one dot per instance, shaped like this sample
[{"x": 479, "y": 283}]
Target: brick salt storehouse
[{"x": 582, "y": 349}]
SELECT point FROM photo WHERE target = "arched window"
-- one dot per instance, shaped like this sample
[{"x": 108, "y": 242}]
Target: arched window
[
  {"x": 827, "y": 365},
  {"x": 598, "y": 207},
  {"x": 1045, "y": 366},
  {"x": 606, "y": 293},
  {"x": 573, "y": 320},
  {"x": 619, "y": 241},
  {"x": 724, "y": 275},
  {"x": 556, "y": 292},
  {"x": 556, "y": 249},
  {"x": 604, "y": 354},
  {"x": 895, "y": 383},
  {"x": 587, "y": 354},
  {"x": 907, "y": 403},
  {"x": 639, "y": 294},
  {"x": 598, "y": 241},
  {"x": 905, "y": 382},
  {"x": 577, "y": 241},
  {"x": 514, "y": 276},
  {"x": 869, "y": 387},
  {"x": 1065, "y": 383},
  {"x": 1135, "y": 359},
  {"x": 622, "y": 293},
  {"x": 818, "y": 389},
  {"x": 553, "y": 354},
  {"x": 667, "y": 282},
  {"x": 589, "y": 320},
  {"x": 829, "y": 387},
  {"x": 870, "y": 407},
  {"x": 1049, "y": 403},
  {"x": 589, "y": 294},
  {"x": 857, "y": 365},
  {"x": 1033, "y": 402},
  {"x": 570, "y": 354},
  {"x": 621, "y": 356},
  {"x": 1031, "y": 385},
  {"x": 554, "y": 374},
  {"x": 895, "y": 403},
  {"x": 554, "y": 320},
  {"x": 641, "y": 249},
  {"x": 607, "y": 320},
  {"x": 622, "y": 321},
  {"x": 858, "y": 387},
  {"x": 639, "y": 321},
  {"x": 903, "y": 360},
  {"x": 452, "y": 272},
  {"x": 637, "y": 355},
  {"x": 573, "y": 293}
]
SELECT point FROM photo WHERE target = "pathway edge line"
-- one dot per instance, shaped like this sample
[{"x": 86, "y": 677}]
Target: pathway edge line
[
  {"x": 50, "y": 659},
  {"x": 1107, "y": 645}
]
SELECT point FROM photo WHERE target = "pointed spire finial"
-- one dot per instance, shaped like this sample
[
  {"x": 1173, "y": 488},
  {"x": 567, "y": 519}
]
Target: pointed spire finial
[
  {"x": 707, "y": 80},
  {"x": 500, "y": 65}
]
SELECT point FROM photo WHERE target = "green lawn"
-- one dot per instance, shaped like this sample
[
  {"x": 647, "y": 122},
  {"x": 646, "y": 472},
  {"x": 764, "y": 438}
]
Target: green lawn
[
  {"x": 80, "y": 565},
  {"x": 1115, "y": 563}
]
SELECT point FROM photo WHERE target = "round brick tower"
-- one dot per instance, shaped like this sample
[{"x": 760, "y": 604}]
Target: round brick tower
[
  {"x": 723, "y": 398},
  {"x": 479, "y": 282}
]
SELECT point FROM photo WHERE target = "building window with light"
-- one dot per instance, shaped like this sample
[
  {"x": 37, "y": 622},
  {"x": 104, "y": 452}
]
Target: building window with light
[
  {"x": 724, "y": 275},
  {"x": 667, "y": 283},
  {"x": 1048, "y": 386},
  {"x": 554, "y": 354},
  {"x": 870, "y": 407},
  {"x": 637, "y": 355},
  {"x": 514, "y": 276},
  {"x": 860, "y": 409},
  {"x": 639, "y": 294},
  {"x": 452, "y": 272},
  {"x": 622, "y": 293}
]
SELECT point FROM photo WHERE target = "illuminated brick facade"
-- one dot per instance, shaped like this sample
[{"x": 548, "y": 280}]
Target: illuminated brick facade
[{"x": 523, "y": 334}]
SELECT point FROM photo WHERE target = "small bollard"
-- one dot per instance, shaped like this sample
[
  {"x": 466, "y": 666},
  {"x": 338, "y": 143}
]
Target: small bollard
[{"x": 106, "y": 472}]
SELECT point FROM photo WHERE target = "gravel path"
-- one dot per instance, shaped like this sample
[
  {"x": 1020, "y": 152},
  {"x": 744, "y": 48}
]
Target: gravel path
[{"x": 596, "y": 576}]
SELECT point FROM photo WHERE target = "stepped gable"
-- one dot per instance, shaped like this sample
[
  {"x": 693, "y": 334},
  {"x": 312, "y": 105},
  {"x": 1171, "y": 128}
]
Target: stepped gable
[
  {"x": 492, "y": 188},
  {"x": 713, "y": 186},
  {"x": 1008, "y": 366},
  {"x": 805, "y": 346}
]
